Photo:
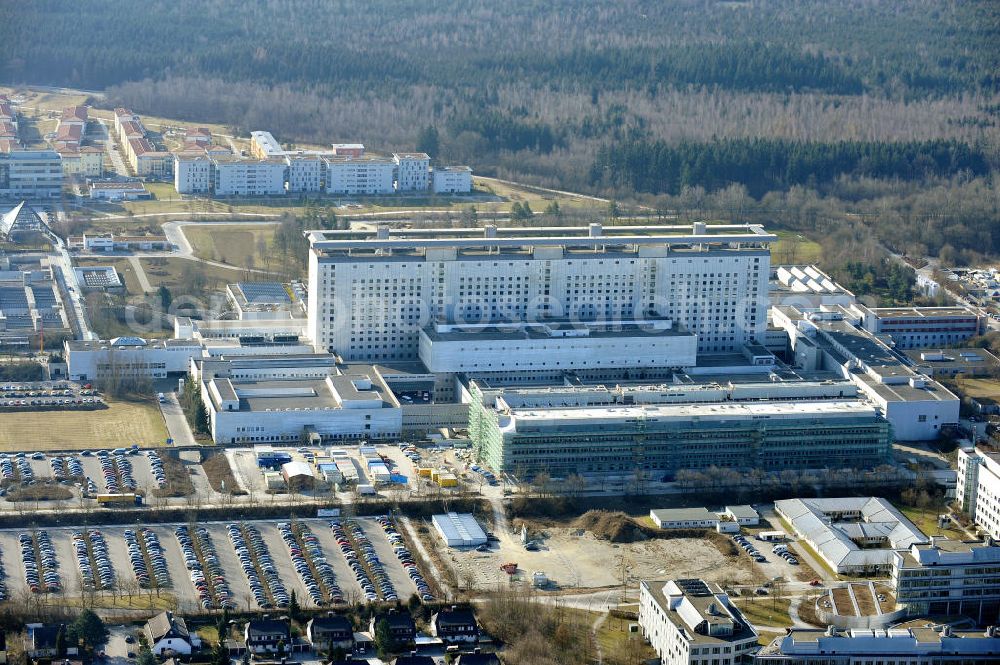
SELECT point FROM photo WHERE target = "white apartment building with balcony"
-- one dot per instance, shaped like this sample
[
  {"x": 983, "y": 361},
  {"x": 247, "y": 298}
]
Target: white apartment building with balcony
[
  {"x": 451, "y": 180},
  {"x": 304, "y": 174},
  {"x": 412, "y": 171},
  {"x": 359, "y": 175},
  {"x": 242, "y": 177},
  {"x": 193, "y": 173}
]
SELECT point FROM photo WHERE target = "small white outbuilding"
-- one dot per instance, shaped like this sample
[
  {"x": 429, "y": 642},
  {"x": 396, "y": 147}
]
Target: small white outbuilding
[{"x": 459, "y": 530}]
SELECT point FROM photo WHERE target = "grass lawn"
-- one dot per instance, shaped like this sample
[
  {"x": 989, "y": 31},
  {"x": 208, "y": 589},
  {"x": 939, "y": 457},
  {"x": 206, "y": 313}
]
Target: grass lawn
[
  {"x": 123, "y": 266},
  {"x": 620, "y": 646},
  {"x": 794, "y": 248},
  {"x": 230, "y": 243},
  {"x": 208, "y": 634},
  {"x": 979, "y": 388},
  {"x": 168, "y": 203},
  {"x": 536, "y": 198},
  {"x": 162, "y": 190},
  {"x": 765, "y": 611},
  {"x": 139, "y": 601},
  {"x": 169, "y": 272},
  {"x": 122, "y": 424},
  {"x": 926, "y": 521},
  {"x": 811, "y": 551}
]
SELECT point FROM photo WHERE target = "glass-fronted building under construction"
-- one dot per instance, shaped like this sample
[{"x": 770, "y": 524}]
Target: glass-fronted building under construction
[{"x": 596, "y": 431}]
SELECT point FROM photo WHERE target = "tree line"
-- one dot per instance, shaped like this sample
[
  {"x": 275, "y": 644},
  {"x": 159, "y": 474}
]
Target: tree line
[
  {"x": 918, "y": 48},
  {"x": 768, "y": 164}
]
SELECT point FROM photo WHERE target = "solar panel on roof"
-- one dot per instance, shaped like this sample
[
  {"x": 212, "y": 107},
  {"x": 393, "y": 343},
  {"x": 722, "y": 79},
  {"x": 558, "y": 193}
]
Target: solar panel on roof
[
  {"x": 264, "y": 292},
  {"x": 13, "y": 298},
  {"x": 694, "y": 587},
  {"x": 44, "y": 296}
]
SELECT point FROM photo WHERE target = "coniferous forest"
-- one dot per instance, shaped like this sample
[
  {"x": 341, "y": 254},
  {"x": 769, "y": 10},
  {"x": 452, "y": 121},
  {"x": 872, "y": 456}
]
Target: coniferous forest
[{"x": 883, "y": 112}]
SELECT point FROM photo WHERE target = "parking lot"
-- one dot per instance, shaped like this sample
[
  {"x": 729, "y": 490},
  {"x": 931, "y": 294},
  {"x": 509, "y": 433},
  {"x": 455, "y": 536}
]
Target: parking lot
[
  {"x": 47, "y": 395},
  {"x": 79, "y": 555},
  {"x": 774, "y": 560},
  {"x": 87, "y": 472}
]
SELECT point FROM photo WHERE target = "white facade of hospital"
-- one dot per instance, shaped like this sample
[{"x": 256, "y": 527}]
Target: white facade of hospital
[
  {"x": 978, "y": 488},
  {"x": 454, "y": 349},
  {"x": 370, "y": 293}
]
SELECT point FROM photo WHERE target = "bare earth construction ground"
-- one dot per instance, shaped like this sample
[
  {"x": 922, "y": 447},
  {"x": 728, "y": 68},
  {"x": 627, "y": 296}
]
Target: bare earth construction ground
[{"x": 571, "y": 560}]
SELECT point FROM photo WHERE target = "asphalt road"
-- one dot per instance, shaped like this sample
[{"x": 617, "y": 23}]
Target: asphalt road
[{"x": 177, "y": 424}]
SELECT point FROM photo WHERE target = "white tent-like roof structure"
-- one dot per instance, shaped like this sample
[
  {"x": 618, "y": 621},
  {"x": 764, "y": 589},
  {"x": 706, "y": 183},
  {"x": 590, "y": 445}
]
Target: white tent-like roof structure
[
  {"x": 20, "y": 219},
  {"x": 852, "y": 534}
]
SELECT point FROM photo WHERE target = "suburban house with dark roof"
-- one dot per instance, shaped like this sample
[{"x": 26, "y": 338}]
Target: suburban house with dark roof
[
  {"x": 413, "y": 659},
  {"x": 401, "y": 626},
  {"x": 264, "y": 635},
  {"x": 330, "y": 632},
  {"x": 455, "y": 625},
  {"x": 168, "y": 634},
  {"x": 477, "y": 659},
  {"x": 41, "y": 641}
]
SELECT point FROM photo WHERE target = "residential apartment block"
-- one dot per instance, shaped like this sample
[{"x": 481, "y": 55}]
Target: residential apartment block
[
  {"x": 264, "y": 145},
  {"x": 371, "y": 293},
  {"x": 77, "y": 159},
  {"x": 193, "y": 173},
  {"x": 947, "y": 577},
  {"x": 359, "y": 175},
  {"x": 86, "y": 161},
  {"x": 305, "y": 174},
  {"x": 346, "y": 170},
  {"x": 451, "y": 180},
  {"x": 412, "y": 171},
  {"x": 692, "y": 622},
  {"x": 242, "y": 177},
  {"x": 146, "y": 160}
]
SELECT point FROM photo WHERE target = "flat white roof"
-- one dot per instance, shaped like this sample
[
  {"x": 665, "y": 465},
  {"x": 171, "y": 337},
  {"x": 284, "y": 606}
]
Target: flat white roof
[
  {"x": 747, "y": 412},
  {"x": 459, "y": 527},
  {"x": 516, "y": 237}
]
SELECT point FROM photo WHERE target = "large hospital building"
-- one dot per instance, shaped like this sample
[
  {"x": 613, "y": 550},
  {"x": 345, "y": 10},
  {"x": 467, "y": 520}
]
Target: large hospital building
[
  {"x": 371, "y": 293},
  {"x": 596, "y": 350}
]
